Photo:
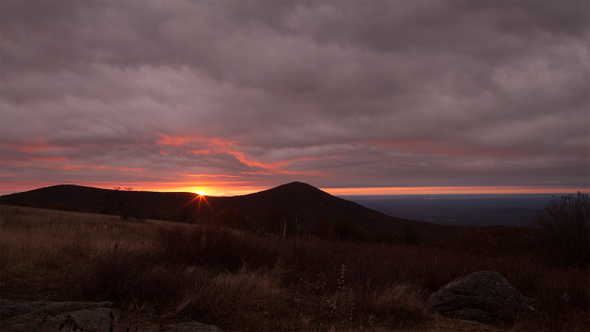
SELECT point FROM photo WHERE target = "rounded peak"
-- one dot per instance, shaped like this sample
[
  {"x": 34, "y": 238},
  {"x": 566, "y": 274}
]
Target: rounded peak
[{"x": 298, "y": 184}]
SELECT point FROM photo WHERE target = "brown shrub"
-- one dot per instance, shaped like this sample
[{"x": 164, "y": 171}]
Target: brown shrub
[
  {"x": 124, "y": 275},
  {"x": 113, "y": 276},
  {"x": 565, "y": 222}
]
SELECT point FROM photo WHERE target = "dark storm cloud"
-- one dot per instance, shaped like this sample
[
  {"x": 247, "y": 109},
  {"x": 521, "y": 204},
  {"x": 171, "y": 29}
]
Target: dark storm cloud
[{"x": 359, "y": 93}]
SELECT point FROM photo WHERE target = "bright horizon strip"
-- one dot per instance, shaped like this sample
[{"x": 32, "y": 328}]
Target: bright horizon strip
[
  {"x": 453, "y": 190},
  {"x": 228, "y": 190},
  {"x": 210, "y": 188}
]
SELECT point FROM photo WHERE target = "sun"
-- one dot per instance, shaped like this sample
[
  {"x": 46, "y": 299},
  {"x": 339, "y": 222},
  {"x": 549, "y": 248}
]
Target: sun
[{"x": 201, "y": 192}]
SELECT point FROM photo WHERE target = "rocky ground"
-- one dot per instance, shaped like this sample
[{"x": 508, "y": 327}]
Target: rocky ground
[{"x": 46, "y": 316}]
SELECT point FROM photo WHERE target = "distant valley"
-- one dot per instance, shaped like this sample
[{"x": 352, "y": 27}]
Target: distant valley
[{"x": 465, "y": 210}]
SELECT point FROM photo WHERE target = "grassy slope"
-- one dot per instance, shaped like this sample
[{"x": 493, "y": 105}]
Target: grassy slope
[{"x": 162, "y": 272}]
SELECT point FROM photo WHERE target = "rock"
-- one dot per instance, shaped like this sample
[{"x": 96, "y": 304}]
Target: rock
[
  {"x": 13, "y": 308},
  {"x": 74, "y": 316},
  {"x": 189, "y": 327},
  {"x": 483, "y": 297},
  {"x": 87, "y": 320}
]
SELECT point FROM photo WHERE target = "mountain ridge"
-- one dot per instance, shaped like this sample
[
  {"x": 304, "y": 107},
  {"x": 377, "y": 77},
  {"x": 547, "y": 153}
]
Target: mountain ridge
[{"x": 295, "y": 208}]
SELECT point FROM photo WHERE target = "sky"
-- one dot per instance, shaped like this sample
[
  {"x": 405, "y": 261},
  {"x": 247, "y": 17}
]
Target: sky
[{"x": 354, "y": 97}]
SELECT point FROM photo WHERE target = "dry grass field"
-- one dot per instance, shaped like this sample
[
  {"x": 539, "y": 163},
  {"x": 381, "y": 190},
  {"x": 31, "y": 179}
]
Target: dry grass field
[
  {"x": 44, "y": 240},
  {"x": 160, "y": 272}
]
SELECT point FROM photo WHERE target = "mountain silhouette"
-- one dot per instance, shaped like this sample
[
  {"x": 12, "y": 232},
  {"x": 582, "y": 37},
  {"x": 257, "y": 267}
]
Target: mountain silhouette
[
  {"x": 90, "y": 199},
  {"x": 294, "y": 208},
  {"x": 301, "y": 201}
]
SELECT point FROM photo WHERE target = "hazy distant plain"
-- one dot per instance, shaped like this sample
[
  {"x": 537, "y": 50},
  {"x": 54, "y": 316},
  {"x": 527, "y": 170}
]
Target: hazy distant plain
[{"x": 464, "y": 210}]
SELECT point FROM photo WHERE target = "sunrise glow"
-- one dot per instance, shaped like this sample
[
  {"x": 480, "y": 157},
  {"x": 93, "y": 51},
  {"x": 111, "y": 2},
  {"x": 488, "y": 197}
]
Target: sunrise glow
[
  {"x": 236, "y": 191},
  {"x": 243, "y": 188},
  {"x": 201, "y": 192}
]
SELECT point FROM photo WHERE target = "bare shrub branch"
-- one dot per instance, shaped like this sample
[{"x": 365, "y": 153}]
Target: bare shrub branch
[{"x": 566, "y": 223}]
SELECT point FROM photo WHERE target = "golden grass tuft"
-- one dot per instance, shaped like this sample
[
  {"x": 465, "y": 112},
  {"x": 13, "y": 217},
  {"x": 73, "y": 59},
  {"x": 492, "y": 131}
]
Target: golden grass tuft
[
  {"x": 240, "y": 290},
  {"x": 397, "y": 298}
]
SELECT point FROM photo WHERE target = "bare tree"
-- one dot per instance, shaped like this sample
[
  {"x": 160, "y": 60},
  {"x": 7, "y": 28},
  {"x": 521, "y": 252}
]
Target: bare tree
[
  {"x": 123, "y": 203},
  {"x": 565, "y": 221}
]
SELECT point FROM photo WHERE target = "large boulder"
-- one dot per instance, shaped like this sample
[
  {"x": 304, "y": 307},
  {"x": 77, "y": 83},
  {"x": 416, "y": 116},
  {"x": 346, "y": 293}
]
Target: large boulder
[
  {"x": 58, "y": 316},
  {"x": 87, "y": 320},
  {"x": 484, "y": 297}
]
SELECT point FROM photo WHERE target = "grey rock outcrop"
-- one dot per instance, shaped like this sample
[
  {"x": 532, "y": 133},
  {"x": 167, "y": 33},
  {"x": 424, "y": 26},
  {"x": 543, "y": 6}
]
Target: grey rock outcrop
[
  {"x": 483, "y": 297},
  {"x": 74, "y": 316},
  {"x": 59, "y": 316},
  {"x": 190, "y": 327},
  {"x": 13, "y": 308},
  {"x": 87, "y": 320}
]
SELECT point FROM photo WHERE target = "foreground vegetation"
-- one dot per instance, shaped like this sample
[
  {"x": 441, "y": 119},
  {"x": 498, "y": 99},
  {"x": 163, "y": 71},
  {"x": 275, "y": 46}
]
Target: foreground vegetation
[{"x": 161, "y": 272}]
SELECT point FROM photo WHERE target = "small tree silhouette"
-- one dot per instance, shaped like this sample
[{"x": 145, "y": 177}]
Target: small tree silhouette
[
  {"x": 565, "y": 222},
  {"x": 122, "y": 203}
]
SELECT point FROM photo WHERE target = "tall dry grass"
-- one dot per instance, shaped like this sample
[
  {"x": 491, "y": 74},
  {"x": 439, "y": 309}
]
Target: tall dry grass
[{"x": 33, "y": 239}]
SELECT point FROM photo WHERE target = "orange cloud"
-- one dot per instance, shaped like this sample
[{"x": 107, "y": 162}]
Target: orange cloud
[
  {"x": 219, "y": 145},
  {"x": 174, "y": 140}
]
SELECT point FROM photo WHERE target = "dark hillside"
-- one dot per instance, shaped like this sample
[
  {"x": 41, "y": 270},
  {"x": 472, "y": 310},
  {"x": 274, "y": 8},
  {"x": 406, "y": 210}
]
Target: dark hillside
[
  {"x": 306, "y": 208},
  {"x": 76, "y": 198},
  {"x": 305, "y": 202},
  {"x": 95, "y": 200}
]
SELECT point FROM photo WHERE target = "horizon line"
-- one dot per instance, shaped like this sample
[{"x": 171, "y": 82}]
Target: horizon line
[
  {"x": 449, "y": 190},
  {"x": 228, "y": 190}
]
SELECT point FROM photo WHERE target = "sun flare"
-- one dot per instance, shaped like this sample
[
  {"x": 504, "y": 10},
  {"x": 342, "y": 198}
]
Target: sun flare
[{"x": 200, "y": 192}]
